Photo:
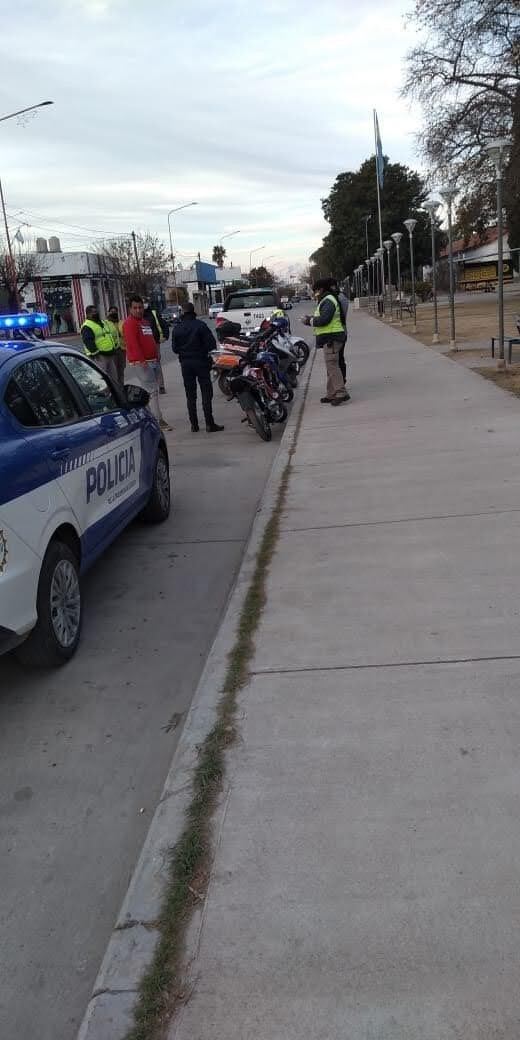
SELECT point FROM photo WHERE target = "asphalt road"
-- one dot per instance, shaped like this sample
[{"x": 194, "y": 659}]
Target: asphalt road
[{"x": 84, "y": 751}]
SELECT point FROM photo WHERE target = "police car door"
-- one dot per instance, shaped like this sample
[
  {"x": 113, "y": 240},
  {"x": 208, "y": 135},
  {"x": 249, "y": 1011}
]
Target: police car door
[
  {"x": 55, "y": 432},
  {"x": 105, "y": 484}
]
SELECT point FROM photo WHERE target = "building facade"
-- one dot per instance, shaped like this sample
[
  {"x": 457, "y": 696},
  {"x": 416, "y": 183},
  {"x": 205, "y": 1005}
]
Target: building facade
[{"x": 67, "y": 283}]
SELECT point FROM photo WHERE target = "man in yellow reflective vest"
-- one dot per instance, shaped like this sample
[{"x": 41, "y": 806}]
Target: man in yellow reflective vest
[
  {"x": 99, "y": 342},
  {"x": 114, "y": 326},
  {"x": 329, "y": 330}
]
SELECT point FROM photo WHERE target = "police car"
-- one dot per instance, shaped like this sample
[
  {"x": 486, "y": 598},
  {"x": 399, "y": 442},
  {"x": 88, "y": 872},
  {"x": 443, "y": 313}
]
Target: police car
[{"x": 79, "y": 459}]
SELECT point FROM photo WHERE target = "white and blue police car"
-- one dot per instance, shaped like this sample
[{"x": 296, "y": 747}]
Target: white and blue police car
[{"x": 79, "y": 459}]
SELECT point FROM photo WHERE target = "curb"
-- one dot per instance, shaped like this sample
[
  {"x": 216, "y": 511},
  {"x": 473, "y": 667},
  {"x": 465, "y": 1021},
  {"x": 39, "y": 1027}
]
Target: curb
[{"x": 109, "y": 1013}]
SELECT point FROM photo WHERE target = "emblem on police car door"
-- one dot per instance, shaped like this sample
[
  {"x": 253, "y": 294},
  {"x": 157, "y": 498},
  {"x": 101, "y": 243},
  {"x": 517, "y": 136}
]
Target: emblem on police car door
[{"x": 3, "y": 551}]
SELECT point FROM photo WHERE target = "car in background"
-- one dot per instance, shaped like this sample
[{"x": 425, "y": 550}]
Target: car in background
[
  {"x": 249, "y": 307},
  {"x": 215, "y": 309},
  {"x": 80, "y": 458},
  {"x": 171, "y": 313}
]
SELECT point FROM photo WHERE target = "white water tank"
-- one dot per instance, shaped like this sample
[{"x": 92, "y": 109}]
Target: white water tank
[
  {"x": 54, "y": 245},
  {"x": 41, "y": 245}
]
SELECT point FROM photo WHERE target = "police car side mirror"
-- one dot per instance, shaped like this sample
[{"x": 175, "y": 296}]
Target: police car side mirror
[{"x": 136, "y": 396}]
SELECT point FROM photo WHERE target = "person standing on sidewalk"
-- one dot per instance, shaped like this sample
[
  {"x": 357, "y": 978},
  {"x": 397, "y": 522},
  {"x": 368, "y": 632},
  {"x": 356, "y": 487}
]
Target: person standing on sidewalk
[
  {"x": 114, "y": 325},
  {"x": 99, "y": 343},
  {"x": 160, "y": 335},
  {"x": 330, "y": 335},
  {"x": 343, "y": 303},
  {"x": 192, "y": 341},
  {"x": 142, "y": 357}
]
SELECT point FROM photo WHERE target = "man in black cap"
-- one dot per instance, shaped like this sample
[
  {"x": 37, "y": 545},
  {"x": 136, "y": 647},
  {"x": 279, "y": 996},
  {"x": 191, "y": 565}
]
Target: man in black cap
[{"x": 192, "y": 341}]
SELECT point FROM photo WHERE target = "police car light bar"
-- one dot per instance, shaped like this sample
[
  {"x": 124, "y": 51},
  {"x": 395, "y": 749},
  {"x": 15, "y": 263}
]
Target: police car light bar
[{"x": 23, "y": 321}]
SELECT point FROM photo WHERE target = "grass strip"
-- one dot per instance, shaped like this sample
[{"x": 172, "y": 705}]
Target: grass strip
[{"x": 161, "y": 988}]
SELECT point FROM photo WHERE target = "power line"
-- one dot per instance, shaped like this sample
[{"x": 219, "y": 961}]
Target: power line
[{"x": 80, "y": 227}]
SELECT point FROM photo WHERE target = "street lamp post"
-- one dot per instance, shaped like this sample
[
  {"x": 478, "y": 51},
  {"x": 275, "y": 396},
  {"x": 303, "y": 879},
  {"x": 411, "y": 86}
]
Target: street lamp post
[
  {"x": 229, "y": 235},
  {"x": 497, "y": 150},
  {"x": 409, "y": 225},
  {"x": 12, "y": 265},
  {"x": 397, "y": 236},
  {"x": 251, "y": 254},
  {"x": 366, "y": 220},
  {"x": 447, "y": 195},
  {"x": 22, "y": 111},
  {"x": 375, "y": 280},
  {"x": 367, "y": 265},
  {"x": 388, "y": 246},
  {"x": 431, "y": 208},
  {"x": 380, "y": 253},
  {"x": 185, "y": 205}
]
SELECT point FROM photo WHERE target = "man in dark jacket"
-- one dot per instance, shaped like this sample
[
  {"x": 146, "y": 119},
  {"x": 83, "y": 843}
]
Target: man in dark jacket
[{"x": 192, "y": 341}]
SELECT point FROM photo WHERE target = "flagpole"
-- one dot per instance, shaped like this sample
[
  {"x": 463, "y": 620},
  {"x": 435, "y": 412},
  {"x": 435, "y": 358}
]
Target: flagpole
[{"x": 377, "y": 182}]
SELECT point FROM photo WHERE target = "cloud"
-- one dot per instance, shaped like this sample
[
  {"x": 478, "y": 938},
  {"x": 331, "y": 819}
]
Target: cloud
[{"x": 249, "y": 110}]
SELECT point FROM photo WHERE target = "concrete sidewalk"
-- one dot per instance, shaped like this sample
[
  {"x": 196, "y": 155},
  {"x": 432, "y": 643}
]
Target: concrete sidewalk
[{"x": 365, "y": 885}]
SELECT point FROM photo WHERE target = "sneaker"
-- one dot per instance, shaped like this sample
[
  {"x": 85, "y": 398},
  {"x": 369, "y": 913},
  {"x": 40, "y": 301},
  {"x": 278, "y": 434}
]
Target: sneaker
[
  {"x": 339, "y": 400},
  {"x": 195, "y": 427},
  {"x": 325, "y": 400},
  {"x": 162, "y": 390},
  {"x": 213, "y": 428},
  {"x": 165, "y": 426}
]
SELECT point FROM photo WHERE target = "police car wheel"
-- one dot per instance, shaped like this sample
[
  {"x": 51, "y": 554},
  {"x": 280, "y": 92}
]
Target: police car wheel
[
  {"x": 56, "y": 635},
  {"x": 157, "y": 508}
]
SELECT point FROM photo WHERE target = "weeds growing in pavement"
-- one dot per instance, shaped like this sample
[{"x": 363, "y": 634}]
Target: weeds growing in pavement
[{"x": 161, "y": 988}]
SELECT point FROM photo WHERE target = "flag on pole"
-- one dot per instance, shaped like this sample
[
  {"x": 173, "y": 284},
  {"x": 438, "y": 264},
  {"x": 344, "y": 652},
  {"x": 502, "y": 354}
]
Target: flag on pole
[
  {"x": 19, "y": 237},
  {"x": 380, "y": 162}
]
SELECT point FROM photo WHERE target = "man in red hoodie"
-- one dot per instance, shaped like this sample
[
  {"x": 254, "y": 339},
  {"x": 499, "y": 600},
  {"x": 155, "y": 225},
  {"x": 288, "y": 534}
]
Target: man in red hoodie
[{"x": 142, "y": 357}]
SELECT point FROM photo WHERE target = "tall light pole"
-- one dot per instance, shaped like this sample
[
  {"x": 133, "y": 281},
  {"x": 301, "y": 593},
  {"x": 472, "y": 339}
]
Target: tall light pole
[
  {"x": 431, "y": 208},
  {"x": 367, "y": 265},
  {"x": 251, "y": 254},
  {"x": 380, "y": 253},
  {"x": 410, "y": 225},
  {"x": 448, "y": 194},
  {"x": 229, "y": 235},
  {"x": 22, "y": 111},
  {"x": 375, "y": 280},
  {"x": 397, "y": 236},
  {"x": 176, "y": 209},
  {"x": 497, "y": 150},
  {"x": 366, "y": 220},
  {"x": 14, "y": 276},
  {"x": 388, "y": 246}
]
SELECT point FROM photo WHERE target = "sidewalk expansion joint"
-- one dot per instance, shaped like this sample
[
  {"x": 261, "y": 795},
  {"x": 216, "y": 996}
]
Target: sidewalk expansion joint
[
  {"x": 385, "y": 664},
  {"x": 111, "y": 993},
  {"x": 401, "y": 520}
]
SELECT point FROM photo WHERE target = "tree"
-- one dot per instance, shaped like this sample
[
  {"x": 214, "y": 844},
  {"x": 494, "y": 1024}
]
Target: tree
[
  {"x": 27, "y": 266},
  {"x": 465, "y": 73},
  {"x": 218, "y": 255},
  {"x": 260, "y": 277},
  {"x": 352, "y": 197},
  {"x": 144, "y": 274}
]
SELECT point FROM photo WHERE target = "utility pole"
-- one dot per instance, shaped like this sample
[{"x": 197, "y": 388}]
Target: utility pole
[
  {"x": 12, "y": 267},
  {"x": 135, "y": 254}
]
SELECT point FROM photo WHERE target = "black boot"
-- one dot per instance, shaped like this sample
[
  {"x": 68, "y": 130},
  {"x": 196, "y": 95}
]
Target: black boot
[
  {"x": 213, "y": 427},
  {"x": 195, "y": 427}
]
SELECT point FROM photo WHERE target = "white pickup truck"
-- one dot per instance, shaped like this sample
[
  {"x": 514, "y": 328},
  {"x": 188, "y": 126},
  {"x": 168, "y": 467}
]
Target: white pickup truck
[{"x": 249, "y": 307}]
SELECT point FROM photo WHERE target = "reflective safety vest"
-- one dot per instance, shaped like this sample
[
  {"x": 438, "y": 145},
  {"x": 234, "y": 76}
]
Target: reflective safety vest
[
  {"x": 158, "y": 326},
  {"x": 104, "y": 340},
  {"x": 335, "y": 325},
  {"x": 115, "y": 332}
]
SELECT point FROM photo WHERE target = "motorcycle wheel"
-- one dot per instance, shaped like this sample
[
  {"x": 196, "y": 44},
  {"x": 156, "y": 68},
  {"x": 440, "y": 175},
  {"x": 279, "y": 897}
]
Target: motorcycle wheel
[
  {"x": 302, "y": 351},
  {"x": 277, "y": 412},
  {"x": 259, "y": 421},
  {"x": 223, "y": 385},
  {"x": 286, "y": 393}
]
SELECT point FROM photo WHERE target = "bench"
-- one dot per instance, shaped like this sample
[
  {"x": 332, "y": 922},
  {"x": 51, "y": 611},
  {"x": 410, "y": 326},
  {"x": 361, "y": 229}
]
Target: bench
[
  {"x": 510, "y": 340},
  {"x": 406, "y": 304}
]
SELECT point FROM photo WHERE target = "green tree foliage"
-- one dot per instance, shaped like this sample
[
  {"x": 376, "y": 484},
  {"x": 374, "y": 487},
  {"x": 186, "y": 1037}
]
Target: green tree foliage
[
  {"x": 218, "y": 255},
  {"x": 260, "y": 277},
  {"x": 352, "y": 197}
]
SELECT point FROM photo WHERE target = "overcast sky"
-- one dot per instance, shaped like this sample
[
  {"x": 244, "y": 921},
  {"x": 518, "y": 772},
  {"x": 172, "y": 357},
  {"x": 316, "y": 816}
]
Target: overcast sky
[{"x": 249, "y": 109}]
